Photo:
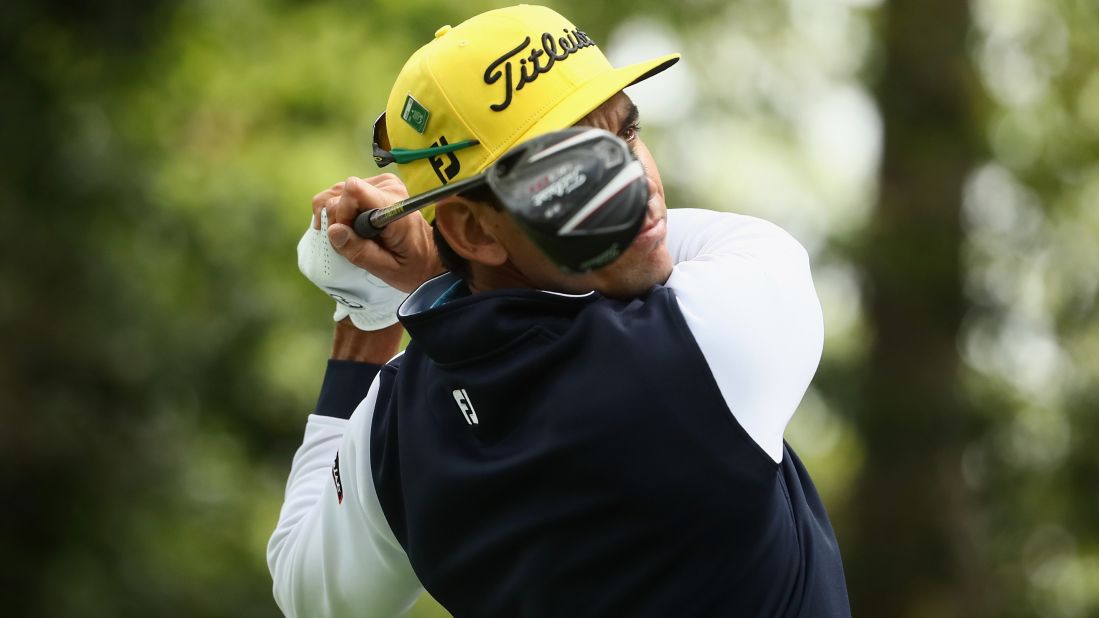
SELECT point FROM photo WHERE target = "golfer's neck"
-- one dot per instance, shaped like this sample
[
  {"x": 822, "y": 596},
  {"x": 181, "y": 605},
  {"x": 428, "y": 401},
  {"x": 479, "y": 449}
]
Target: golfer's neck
[{"x": 506, "y": 276}]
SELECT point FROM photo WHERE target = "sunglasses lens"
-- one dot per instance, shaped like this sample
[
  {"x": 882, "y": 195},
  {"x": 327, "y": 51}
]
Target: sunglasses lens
[{"x": 382, "y": 156}]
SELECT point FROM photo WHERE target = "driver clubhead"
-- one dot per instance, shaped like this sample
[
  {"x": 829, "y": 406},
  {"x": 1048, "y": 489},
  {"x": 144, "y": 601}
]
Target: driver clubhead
[{"x": 580, "y": 194}]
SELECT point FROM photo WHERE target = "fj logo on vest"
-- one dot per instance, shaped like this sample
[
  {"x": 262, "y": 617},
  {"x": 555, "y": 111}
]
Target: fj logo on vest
[{"x": 461, "y": 397}]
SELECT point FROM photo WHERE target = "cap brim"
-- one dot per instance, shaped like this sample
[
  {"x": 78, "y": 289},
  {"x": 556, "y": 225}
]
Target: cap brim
[{"x": 591, "y": 95}]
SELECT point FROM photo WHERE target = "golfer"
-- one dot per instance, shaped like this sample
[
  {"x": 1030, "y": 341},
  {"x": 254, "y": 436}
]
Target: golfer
[{"x": 549, "y": 444}]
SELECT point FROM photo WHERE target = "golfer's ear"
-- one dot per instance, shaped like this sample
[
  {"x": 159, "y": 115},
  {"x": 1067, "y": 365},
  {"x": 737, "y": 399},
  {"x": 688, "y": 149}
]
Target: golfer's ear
[{"x": 464, "y": 226}]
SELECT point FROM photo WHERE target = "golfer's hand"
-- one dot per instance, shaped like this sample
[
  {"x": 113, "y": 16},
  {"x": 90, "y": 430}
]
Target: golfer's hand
[{"x": 403, "y": 255}]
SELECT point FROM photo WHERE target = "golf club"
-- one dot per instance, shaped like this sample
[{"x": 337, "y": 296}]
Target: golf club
[{"x": 579, "y": 194}]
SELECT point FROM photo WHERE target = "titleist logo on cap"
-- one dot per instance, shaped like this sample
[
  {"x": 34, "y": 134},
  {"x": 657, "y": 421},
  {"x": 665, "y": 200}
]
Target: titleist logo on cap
[{"x": 533, "y": 65}]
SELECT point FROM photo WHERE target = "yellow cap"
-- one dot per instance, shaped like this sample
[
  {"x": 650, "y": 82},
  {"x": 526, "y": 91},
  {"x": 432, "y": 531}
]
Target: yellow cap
[{"x": 497, "y": 79}]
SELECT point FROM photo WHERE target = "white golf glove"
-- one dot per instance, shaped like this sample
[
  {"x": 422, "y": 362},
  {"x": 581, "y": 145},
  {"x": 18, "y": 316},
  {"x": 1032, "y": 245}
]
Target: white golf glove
[{"x": 371, "y": 302}]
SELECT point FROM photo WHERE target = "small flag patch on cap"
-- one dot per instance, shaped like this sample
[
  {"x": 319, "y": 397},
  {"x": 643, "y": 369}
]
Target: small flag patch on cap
[{"x": 415, "y": 114}]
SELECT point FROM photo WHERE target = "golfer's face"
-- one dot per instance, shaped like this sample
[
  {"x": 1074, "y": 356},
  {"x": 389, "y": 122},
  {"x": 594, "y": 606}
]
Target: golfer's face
[{"x": 645, "y": 263}]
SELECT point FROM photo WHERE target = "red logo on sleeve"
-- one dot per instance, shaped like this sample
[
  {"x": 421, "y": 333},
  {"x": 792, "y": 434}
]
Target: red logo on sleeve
[{"x": 336, "y": 479}]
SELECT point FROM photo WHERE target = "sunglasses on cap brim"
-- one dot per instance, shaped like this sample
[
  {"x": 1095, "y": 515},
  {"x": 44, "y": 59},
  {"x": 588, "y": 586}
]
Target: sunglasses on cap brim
[{"x": 384, "y": 154}]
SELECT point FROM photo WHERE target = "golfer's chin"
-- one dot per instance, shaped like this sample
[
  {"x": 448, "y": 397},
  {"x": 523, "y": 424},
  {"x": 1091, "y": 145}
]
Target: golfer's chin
[
  {"x": 652, "y": 234},
  {"x": 645, "y": 263}
]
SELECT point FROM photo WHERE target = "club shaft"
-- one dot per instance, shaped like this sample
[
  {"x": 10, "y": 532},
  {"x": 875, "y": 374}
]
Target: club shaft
[{"x": 370, "y": 223}]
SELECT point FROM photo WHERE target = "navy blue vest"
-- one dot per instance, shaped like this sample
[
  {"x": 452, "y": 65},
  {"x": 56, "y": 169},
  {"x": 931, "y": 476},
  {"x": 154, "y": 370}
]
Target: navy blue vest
[{"x": 594, "y": 470}]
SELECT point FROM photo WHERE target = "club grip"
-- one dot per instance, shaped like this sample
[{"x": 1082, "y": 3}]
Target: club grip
[{"x": 363, "y": 227}]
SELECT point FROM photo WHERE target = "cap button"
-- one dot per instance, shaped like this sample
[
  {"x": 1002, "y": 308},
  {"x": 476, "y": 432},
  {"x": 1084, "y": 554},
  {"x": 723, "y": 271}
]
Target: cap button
[{"x": 441, "y": 31}]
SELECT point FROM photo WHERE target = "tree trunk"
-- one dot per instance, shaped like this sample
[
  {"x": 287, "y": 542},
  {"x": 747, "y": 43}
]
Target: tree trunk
[{"x": 912, "y": 550}]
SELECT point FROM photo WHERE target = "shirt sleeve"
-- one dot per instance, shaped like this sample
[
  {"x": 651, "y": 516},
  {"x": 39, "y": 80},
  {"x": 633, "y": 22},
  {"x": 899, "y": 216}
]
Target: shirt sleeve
[
  {"x": 332, "y": 552},
  {"x": 746, "y": 292}
]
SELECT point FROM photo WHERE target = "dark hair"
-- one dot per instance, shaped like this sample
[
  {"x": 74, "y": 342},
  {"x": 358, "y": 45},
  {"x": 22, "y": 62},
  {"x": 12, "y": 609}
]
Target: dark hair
[{"x": 450, "y": 259}]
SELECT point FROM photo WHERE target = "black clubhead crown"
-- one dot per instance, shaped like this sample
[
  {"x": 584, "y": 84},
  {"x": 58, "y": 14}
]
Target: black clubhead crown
[{"x": 580, "y": 194}]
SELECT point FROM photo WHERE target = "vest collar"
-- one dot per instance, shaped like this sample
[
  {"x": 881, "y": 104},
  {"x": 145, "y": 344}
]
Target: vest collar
[{"x": 468, "y": 327}]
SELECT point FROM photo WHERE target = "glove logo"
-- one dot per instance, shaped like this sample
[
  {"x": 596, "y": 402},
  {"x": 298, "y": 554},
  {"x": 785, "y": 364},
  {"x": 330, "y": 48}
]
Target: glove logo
[
  {"x": 336, "y": 479},
  {"x": 350, "y": 304}
]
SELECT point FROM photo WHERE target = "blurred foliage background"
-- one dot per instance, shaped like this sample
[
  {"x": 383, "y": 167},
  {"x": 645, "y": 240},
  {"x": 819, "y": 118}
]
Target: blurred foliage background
[{"x": 938, "y": 158}]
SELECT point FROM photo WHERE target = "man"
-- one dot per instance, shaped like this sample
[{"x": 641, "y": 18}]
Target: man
[{"x": 549, "y": 444}]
